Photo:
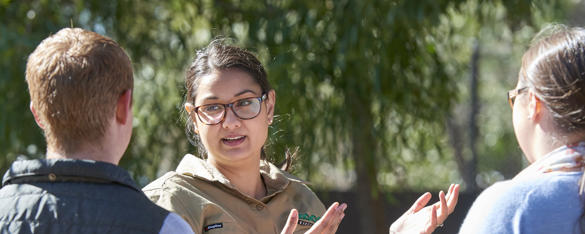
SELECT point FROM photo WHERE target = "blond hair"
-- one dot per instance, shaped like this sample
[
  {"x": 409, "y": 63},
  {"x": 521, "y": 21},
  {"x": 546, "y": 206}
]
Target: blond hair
[{"x": 75, "y": 78}]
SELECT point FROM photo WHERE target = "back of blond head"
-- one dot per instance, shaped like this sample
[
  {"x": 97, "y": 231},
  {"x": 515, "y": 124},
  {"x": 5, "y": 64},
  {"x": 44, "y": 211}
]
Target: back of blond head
[{"x": 75, "y": 78}]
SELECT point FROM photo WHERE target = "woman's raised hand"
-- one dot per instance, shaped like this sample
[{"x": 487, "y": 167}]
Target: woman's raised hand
[
  {"x": 421, "y": 219},
  {"x": 326, "y": 224}
]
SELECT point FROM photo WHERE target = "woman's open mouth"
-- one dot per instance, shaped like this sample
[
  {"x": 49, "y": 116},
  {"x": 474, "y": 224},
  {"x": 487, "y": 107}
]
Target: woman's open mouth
[{"x": 233, "y": 141}]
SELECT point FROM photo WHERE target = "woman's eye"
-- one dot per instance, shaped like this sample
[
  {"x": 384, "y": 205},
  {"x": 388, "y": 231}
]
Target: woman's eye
[
  {"x": 245, "y": 102},
  {"x": 211, "y": 108}
]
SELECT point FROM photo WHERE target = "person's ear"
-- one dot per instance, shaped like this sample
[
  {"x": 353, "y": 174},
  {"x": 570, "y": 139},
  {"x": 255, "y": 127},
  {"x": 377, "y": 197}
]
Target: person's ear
[
  {"x": 270, "y": 102},
  {"x": 190, "y": 108},
  {"x": 124, "y": 107},
  {"x": 34, "y": 112},
  {"x": 534, "y": 107}
]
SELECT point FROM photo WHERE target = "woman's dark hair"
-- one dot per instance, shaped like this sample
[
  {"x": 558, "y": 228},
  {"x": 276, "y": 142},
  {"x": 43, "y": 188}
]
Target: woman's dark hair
[
  {"x": 219, "y": 56},
  {"x": 554, "y": 68}
]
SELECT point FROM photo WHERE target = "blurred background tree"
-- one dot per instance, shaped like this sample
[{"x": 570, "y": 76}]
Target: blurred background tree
[{"x": 380, "y": 96}]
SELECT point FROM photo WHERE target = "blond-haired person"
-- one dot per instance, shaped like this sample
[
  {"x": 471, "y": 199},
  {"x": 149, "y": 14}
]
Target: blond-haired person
[{"x": 80, "y": 84}]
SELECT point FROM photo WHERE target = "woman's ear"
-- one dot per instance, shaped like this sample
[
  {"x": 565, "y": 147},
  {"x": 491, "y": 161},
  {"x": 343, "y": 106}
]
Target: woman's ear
[
  {"x": 270, "y": 105},
  {"x": 534, "y": 107},
  {"x": 190, "y": 108}
]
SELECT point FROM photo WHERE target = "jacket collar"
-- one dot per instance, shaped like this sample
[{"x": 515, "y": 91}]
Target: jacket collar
[
  {"x": 275, "y": 179},
  {"x": 59, "y": 170}
]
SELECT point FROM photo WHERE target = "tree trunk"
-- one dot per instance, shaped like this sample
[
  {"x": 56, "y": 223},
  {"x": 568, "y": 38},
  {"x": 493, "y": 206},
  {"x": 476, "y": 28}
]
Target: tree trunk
[
  {"x": 467, "y": 166},
  {"x": 474, "y": 110},
  {"x": 372, "y": 218},
  {"x": 456, "y": 140}
]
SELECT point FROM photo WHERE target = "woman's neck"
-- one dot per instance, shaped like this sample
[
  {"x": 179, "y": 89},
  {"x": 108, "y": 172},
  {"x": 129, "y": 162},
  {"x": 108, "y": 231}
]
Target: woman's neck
[
  {"x": 245, "y": 176},
  {"x": 547, "y": 143}
]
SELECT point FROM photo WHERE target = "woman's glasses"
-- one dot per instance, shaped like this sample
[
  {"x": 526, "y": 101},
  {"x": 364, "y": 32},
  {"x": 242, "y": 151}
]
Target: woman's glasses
[
  {"x": 246, "y": 108},
  {"x": 512, "y": 94}
]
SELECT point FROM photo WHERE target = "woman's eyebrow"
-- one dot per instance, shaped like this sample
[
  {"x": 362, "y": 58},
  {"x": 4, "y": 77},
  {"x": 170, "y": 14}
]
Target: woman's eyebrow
[
  {"x": 244, "y": 91},
  {"x": 237, "y": 94}
]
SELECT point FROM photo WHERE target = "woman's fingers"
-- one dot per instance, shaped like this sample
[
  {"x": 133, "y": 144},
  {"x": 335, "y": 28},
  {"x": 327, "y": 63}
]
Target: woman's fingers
[
  {"x": 340, "y": 214},
  {"x": 325, "y": 221},
  {"x": 330, "y": 220},
  {"x": 453, "y": 198},
  {"x": 449, "y": 191},
  {"x": 432, "y": 225},
  {"x": 443, "y": 210},
  {"x": 421, "y": 219},
  {"x": 420, "y": 203},
  {"x": 291, "y": 222},
  {"x": 446, "y": 204}
]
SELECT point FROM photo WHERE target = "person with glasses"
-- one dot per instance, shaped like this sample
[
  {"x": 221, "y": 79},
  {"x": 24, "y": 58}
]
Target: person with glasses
[
  {"x": 548, "y": 106},
  {"x": 229, "y": 105}
]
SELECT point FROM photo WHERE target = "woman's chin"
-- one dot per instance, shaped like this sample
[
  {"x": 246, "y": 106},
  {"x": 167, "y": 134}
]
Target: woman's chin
[{"x": 235, "y": 155}]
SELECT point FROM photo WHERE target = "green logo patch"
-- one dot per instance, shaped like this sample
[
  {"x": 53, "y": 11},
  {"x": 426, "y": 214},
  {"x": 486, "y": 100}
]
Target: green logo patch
[{"x": 308, "y": 217}]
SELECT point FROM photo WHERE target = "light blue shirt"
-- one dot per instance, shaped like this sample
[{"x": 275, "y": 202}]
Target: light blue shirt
[
  {"x": 544, "y": 203},
  {"x": 175, "y": 224}
]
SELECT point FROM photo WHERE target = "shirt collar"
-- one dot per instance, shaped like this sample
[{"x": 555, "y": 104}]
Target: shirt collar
[
  {"x": 566, "y": 158},
  {"x": 275, "y": 179}
]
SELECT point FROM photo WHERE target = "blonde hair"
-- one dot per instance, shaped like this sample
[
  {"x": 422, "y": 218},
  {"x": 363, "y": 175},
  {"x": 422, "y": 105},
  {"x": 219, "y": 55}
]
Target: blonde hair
[{"x": 75, "y": 78}]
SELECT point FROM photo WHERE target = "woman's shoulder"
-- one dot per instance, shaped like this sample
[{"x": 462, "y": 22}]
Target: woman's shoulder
[
  {"x": 158, "y": 188},
  {"x": 532, "y": 190},
  {"x": 546, "y": 186},
  {"x": 289, "y": 185},
  {"x": 161, "y": 182},
  {"x": 300, "y": 186},
  {"x": 299, "y": 189},
  {"x": 550, "y": 191},
  {"x": 280, "y": 179},
  {"x": 526, "y": 203},
  {"x": 174, "y": 187}
]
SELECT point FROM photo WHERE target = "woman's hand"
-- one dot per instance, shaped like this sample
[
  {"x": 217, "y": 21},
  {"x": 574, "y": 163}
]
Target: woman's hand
[
  {"x": 421, "y": 219},
  {"x": 326, "y": 224}
]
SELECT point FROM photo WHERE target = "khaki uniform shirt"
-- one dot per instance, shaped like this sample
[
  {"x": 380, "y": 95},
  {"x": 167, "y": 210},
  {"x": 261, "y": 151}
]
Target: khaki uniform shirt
[{"x": 211, "y": 204}]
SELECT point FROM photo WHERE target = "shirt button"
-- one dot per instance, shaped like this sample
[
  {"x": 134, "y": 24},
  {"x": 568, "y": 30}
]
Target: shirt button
[
  {"x": 259, "y": 207},
  {"x": 52, "y": 177}
]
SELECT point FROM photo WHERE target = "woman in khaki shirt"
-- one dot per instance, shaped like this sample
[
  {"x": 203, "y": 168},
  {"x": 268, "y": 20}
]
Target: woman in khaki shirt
[{"x": 233, "y": 189}]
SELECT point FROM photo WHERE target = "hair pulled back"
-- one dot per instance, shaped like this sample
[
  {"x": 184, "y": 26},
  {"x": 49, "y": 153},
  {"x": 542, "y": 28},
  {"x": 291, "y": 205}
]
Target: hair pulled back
[{"x": 554, "y": 68}]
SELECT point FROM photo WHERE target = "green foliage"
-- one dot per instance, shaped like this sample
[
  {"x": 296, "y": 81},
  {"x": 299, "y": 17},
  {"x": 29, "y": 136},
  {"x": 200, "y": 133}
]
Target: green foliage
[
  {"x": 378, "y": 76},
  {"x": 333, "y": 59}
]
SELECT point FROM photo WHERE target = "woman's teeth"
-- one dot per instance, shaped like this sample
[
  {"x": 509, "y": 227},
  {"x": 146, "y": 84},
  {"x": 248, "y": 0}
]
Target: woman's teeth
[{"x": 233, "y": 138}]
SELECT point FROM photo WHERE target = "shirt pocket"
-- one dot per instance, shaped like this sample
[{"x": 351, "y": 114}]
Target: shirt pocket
[
  {"x": 216, "y": 220},
  {"x": 221, "y": 226}
]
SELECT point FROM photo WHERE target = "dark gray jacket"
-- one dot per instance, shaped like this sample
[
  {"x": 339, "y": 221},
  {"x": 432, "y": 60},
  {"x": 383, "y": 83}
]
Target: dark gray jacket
[{"x": 74, "y": 196}]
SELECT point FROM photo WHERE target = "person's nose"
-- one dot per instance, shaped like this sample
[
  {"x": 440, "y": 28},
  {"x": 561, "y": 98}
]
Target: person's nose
[{"x": 231, "y": 121}]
